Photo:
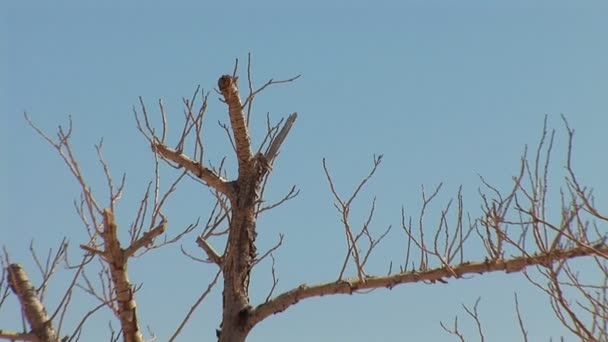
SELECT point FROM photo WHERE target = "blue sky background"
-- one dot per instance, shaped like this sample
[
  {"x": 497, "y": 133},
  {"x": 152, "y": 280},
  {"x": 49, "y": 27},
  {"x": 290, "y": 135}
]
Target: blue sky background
[{"x": 445, "y": 90}]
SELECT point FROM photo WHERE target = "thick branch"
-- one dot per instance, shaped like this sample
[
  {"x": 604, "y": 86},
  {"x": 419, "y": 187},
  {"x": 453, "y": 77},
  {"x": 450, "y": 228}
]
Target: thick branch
[
  {"x": 117, "y": 260},
  {"x": 230, "y": 91},
  {"x": 205, "y": 174},
  {"x": 349, "y": 286},
  {"x": 34, "y": 311}
]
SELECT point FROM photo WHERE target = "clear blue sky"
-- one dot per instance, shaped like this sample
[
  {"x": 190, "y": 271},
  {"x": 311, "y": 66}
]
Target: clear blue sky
[{"x": 445, "y": 90}]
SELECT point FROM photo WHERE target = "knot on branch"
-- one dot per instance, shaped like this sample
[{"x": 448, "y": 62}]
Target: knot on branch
[{"x": 225, "y": 82}]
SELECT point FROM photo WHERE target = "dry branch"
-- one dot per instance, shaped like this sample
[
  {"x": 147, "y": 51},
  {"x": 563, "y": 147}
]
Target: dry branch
[
  {"x": 117, "y": 259},
  {"x": 211, "y": 253},
  {"x": 16, "y": 336},
  {"x": 275, "y": 145},
  {"x": 240, "y": 253},
  {"x": 201, "y": 172},
  {"x": 228, "y": 87},
  {"x": 350, "y": 286},
  {"x": 147, "y": 239},
  {"x": 34, "y": 310},
  {"x": 239, "y": 202}
]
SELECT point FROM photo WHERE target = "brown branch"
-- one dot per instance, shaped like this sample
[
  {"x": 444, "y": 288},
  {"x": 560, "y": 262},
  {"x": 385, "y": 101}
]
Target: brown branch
[
  {"x": 520, "y": 321},
  {"x": 16, "y": 336},
  {"x": 453, "y": 331},
  {"x": 343, "y": 208},
  {"x": 92, "y": 250},
  {"x": 290, "y": 195},
  {"x": 211, "y": 253},
  {"x": 201, "y": 172},
  {"x": 229, "y": 89},
  {"x": 475, "y": 315},
  {"x": 275, "y": 280},
  {"x": 194, "y": 306},
  {"x": 117, "y": 259},
  {"x": 269, "y": 252},
  {"x": 64, "y": 149},
  {"x": 270, "y": 82},
  {"x": 80, "y": 325},
  {"x": 147, "y": 238},
  {"x": 34, "y": 310},
  {"x": 352, "y": 285},
  {"x": 252, "y": 93}
]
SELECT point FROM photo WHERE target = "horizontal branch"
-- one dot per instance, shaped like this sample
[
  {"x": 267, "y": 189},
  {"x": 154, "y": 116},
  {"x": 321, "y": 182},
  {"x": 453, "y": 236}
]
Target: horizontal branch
[
  {"x": 16, "y": 336},
  {"x": 205, "y": 174},
  {"x": 350, "y": 286},
  {"x": 92, "y": 250}
]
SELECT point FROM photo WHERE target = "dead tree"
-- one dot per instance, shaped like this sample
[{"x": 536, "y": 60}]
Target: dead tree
[{"x": 516, "y": 230}]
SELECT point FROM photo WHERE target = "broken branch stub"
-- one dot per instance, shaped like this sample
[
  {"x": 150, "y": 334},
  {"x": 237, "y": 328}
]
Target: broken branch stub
[{"x": 33, "y": 309}]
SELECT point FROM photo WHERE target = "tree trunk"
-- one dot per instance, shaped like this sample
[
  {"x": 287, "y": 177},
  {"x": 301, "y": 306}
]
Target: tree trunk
[
  {"x": 238, "y": 261},
  {"x": 241, "y": 252}
]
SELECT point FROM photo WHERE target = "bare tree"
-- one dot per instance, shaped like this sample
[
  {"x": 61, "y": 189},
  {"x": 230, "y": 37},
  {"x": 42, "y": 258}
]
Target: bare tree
[{"x": 515, "y": 229}]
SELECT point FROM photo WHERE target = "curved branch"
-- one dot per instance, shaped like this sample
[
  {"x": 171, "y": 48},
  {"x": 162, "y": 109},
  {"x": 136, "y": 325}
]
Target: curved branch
[{"x": 350, "y": 286}]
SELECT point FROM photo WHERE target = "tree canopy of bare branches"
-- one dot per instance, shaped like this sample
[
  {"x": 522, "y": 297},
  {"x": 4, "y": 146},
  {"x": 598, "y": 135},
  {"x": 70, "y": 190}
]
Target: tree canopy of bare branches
[{"x": 517, "y": 230}]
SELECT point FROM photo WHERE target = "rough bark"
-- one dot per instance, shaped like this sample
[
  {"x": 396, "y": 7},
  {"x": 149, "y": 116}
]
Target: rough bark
[
  {"x": 229, "y": 89},
  {"x": 242, "y": 193},
  {"x": 350, "y": 286},
  {"x": 35, "y": 313},
  {"x": 15, "y": 336},
  {"x": 240, "y": 252},
  {"x": 117, "y": 258}
]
